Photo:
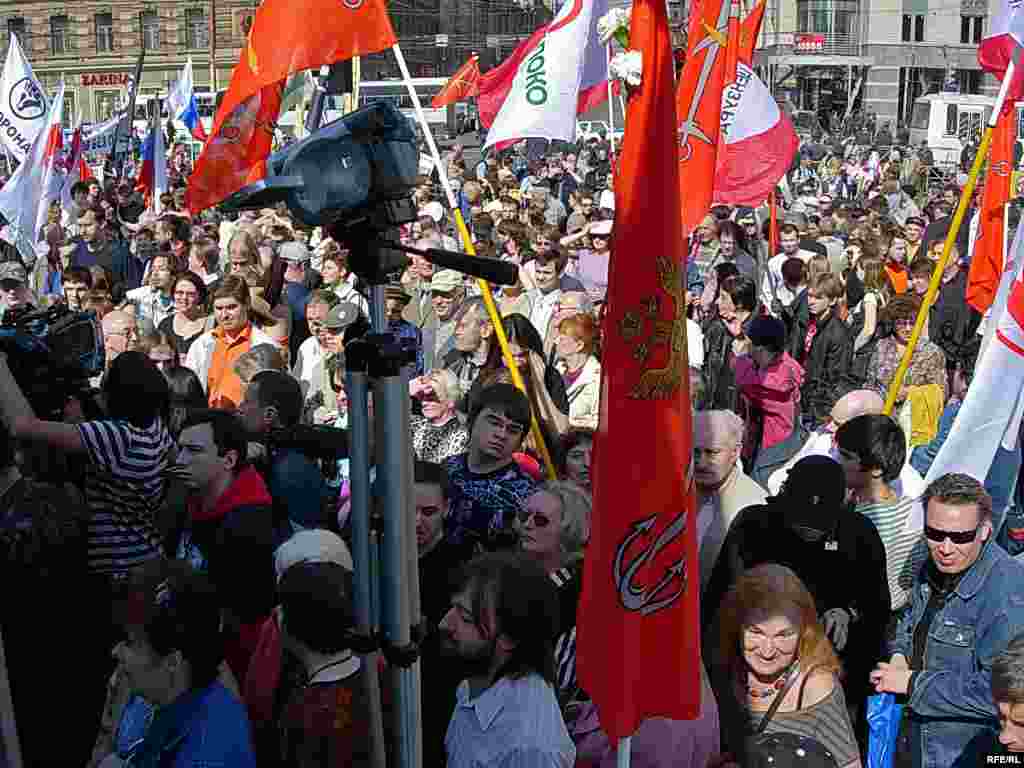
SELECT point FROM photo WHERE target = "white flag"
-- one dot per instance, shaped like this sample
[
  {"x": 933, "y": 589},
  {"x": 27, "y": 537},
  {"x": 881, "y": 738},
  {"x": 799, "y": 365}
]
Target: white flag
[
  {"x": 23, "y": 103},
  {"x": 543, "y": 98},
  {"x": 181, "y": 92},
  {"x": 991, "y": 412},
  {"x": 26, "y": 197}
]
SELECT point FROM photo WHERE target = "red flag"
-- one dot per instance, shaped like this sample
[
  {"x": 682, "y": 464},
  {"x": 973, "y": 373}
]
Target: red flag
[
  {"x": 987, "y": 261},
  {"x": 698, "y": 109},
  {"x": 287, "y": 36},
  {"x": 639, "y": 634},
  {"x": 749, "y": 30},
  {"x": 464, "y": 84}
]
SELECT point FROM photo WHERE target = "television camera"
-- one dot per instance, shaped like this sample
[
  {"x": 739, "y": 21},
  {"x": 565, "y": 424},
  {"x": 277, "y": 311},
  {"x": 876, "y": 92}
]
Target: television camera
[{"x": 52, "y": 353}]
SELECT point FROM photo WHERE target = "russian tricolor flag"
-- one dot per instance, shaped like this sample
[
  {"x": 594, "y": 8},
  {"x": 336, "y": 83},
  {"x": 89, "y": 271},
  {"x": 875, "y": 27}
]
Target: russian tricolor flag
[
  {"x": 153, "y": 174},
  {"x": 182, "y": 103}
]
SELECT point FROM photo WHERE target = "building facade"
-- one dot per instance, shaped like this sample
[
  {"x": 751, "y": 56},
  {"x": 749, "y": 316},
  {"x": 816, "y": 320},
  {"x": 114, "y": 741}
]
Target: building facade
[
  {"x": 94, "y": 46},
  {"x": 879, "y": 54}
]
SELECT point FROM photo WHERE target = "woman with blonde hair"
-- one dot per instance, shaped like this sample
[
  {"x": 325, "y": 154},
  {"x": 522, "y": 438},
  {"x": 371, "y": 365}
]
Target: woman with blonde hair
[
  {"x": 438, "y": 433},
  {"x": 553, "y": 526},
  {"x": 772, "y": 656}
]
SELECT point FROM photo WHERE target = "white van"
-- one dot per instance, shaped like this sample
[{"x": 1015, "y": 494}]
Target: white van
[{"x": 948, "y": 120}]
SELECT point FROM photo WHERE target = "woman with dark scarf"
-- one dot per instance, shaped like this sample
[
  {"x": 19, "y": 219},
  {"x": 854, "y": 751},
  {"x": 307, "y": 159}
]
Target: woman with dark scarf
[{"x": 725, "y": 338}]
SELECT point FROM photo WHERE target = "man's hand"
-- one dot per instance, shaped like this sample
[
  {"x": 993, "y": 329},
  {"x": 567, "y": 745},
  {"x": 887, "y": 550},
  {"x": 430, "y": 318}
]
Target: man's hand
[
  {"x": 891, "y": 678},
  {"x": 837, "y": 627}
]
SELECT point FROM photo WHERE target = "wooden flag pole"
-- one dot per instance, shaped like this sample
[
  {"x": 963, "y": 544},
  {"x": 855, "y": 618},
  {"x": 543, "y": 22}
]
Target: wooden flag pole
[
  {"x": 467, "y": 243},
  {"x": 954, "y": 228}
]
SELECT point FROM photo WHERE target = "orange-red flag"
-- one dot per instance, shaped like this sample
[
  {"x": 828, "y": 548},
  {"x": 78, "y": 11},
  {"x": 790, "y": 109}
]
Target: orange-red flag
[
  {"x": 638, "y": 631},
  {"x": 987, "y": 261},
  {"x": 287, "y": 36},
  {"x": 464, "y": 84},
  {"x": 749, "y": 30},
  {"x": 698, "y": 109}
]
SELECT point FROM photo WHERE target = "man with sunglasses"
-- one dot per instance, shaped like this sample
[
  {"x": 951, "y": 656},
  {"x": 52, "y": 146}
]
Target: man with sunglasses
[{"x": 966, "y": 605}]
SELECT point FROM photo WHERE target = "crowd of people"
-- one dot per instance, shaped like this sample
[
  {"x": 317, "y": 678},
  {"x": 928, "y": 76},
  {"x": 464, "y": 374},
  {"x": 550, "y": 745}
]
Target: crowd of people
[{"x": 182, "y": 584}]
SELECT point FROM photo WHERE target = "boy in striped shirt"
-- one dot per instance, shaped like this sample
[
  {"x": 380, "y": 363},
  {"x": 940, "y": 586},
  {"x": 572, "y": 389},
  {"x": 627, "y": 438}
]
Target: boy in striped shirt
[{"x": 872, "y": 450}]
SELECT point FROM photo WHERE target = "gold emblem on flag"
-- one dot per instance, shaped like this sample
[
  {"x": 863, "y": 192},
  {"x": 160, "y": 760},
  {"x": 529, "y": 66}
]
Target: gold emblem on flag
[
  {"x": 646, "y": 330},
  {"x": 250, "y": 53}
]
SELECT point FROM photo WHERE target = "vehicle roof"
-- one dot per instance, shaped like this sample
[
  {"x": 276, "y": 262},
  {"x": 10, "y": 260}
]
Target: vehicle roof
[{"x": 970, "y": 99}]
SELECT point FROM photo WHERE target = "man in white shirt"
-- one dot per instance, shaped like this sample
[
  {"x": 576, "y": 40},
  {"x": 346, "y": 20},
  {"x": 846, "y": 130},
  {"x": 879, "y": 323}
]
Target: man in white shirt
[
  {"x": 309, "y": 360},
  {"x": 548, "y": 276},
  {"x": 774, "y": 287},
  {"x": 501, "y": 629}
]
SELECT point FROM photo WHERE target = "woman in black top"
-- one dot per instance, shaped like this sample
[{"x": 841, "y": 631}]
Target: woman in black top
[{"x": 188, "y": 322}]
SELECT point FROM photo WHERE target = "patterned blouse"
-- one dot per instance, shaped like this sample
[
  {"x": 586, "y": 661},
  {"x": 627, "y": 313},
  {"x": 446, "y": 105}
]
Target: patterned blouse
[
  {"x": 927, "y": 366},
  {"x": 435, "y": 444}
]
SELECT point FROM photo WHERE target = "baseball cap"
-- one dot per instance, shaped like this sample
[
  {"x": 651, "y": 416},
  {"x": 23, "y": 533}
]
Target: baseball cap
[
  {"x": 13, "y": 271},
  {"x": 341, "y": 316},
  {"x": 446, "y": 280},
  {"x": 601, "y": 228},
  {"x": 312, "y": 546},
  {"x": 294, "y": 252},
  {"x": 396, "y": 291},
  {"x": 915, "y": 220},
  {"x": 745, "y": 214}
]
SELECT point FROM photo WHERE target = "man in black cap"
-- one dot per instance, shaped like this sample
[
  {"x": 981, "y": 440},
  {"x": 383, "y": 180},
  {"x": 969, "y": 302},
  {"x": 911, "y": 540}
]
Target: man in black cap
[
  {"x": 810, "y": 528},
  {"x": 15, "y": 296}
]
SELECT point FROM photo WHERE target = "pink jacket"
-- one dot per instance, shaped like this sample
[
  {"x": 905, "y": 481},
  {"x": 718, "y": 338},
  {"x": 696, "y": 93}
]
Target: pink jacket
[{"x": 775, "y": 391}]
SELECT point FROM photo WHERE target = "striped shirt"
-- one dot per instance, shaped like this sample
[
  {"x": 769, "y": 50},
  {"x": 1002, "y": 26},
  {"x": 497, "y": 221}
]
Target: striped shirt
[
  {"x": 123, "y": 488},
  {"x": 905, "y": 550},
  {"x": 826, "y": 722},
  {"x": 512, "y": 723}
]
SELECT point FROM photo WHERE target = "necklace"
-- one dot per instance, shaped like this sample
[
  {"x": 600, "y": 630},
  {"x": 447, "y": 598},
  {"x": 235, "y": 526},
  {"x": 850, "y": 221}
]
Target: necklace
[{"x": 781, "y": 682}]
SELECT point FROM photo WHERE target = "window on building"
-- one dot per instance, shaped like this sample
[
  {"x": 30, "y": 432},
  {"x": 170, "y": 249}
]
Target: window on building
[
  {"x": 965, "y": 29},
  {"x": 60, "y": 38},
  {"x": 16, "y": 26},
  {"x": 919, "y": 28},
  {"x": 197, "y": 29},
  {"x": 69, "y": 116},
  {"x": 907, "y": 24},
  {"x": 971, "y": 28},
  {"x": 979, "y": 26},
  {"x": 951, "y": 119},
  {"x": 150, "y": 30},
  {"x": 106, "y": 103},
  {"x": 104, "y": 32}
]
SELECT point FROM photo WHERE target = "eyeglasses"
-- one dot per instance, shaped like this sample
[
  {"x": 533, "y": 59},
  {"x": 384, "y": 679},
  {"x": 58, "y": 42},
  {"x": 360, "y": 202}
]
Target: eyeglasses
[
  {"x": 784, "y": 643},
  {"x": 539, "y": 520},
  {"x": 186, "y": 294},
  {"x": 938, "y": 535}
]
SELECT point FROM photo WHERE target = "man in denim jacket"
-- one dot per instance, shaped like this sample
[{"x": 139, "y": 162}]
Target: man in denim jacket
[{"x": 966, "y": 606}]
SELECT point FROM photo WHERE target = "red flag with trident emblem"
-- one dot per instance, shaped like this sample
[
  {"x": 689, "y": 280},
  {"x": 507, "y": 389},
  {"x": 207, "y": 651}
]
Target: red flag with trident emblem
[{"x": 638, "y": 629}]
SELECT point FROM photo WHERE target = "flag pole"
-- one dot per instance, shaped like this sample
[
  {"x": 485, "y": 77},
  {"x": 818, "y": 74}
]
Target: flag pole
[
  {"x": 622, "y": 755},
  {"x": 611, "y": 110},
  {"x": 954, "y": 228},
  {"x": 467, "y": 243}
]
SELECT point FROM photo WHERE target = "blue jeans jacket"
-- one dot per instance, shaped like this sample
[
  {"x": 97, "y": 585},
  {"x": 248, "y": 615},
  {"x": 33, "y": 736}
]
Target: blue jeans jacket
[{"x": 951, "y": 702}]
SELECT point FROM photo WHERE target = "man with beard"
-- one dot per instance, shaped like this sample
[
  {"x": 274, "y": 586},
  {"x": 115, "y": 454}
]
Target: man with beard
[
  {"x": 96, "y": 249},
  {"x": 501, "y": 629}
]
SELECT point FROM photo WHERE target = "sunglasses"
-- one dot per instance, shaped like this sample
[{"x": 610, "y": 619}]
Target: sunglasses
[
  {"x": 539, "y": 520},
  {"x": 938, "y": 535}
]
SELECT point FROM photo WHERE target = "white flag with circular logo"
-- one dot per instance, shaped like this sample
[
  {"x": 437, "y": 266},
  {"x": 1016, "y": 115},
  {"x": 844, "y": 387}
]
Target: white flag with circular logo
[{"x": 23, "y": 103}]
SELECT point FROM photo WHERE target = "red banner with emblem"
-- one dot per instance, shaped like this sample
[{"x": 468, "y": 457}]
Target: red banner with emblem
[{"x": 638, "y": 624}]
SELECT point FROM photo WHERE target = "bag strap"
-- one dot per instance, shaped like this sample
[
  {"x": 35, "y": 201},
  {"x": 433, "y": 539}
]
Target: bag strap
[
  {"x": 800, "y": 697},
  {"x": 776, "y": 703}
]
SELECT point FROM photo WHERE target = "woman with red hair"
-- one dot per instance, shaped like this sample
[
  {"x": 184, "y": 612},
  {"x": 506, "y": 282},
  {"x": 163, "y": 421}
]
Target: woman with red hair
[
  {"x": 574, "y": 351},
  {"x": 772, "y": 655}
]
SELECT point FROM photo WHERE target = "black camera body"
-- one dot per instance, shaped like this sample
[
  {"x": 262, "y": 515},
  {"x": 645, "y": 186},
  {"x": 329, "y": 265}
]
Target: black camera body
[{"x": 52, "y": 353}]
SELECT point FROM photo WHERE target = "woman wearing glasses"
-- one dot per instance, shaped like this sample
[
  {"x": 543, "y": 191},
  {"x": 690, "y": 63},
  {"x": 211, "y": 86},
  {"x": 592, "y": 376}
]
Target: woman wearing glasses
[
  {"x": 189, "y": 319},
  {"x": 553, "y": 526},
  {"x": 774, "y": 671}
]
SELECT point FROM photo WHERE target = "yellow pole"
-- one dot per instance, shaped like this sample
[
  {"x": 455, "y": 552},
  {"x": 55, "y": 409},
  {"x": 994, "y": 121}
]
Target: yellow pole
[
  {"x": 954, "y": 228},
  {"x": 467, "y": 243}
]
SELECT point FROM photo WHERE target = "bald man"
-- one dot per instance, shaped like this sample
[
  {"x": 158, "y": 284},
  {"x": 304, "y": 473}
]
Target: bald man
[
  {"x": 821, "y": 442},
  {"x": 722, "y": 487},
  {"x": 119, "y": 333}
]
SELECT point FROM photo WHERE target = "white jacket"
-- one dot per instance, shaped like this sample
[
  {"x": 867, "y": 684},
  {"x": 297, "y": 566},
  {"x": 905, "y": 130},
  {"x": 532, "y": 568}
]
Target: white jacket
[
  {"x": 585, "y": 396},
  {"x": 201, "y": 352}
]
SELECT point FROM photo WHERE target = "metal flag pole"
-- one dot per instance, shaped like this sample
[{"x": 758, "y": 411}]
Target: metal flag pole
[
  {"x": 611, "y": 110},
  {"x": 954, "y": 228},
  {"x": 467, "y": 243}
]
